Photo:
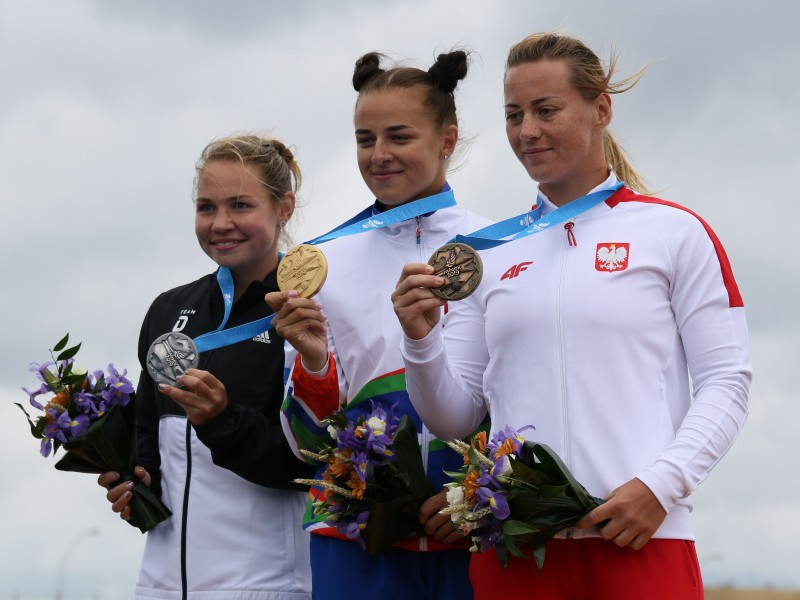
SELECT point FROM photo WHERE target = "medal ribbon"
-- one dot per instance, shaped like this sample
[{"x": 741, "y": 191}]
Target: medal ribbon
[
  {"x": 532, "y": 221},
  {"x": 361, "y": 223}
]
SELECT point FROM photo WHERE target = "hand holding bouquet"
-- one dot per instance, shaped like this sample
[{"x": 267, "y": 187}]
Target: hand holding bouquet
[
  {"x": 91, "y": 416},
  {"x": 512, "y": 494},
  {"x": 374, "y": 482}
]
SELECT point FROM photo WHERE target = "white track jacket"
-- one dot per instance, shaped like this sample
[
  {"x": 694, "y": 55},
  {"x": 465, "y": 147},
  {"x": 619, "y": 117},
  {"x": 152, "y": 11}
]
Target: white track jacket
[{"x": 589, "y": 331}]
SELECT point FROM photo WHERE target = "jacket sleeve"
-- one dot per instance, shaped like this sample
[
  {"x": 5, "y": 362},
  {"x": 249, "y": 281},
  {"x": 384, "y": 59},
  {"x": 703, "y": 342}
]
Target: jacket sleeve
[
  {"x": 445, "y": 380},
  {"x": 709, "y": 314},
  {"x": 308, "y": 400},
  {"x": 247, "y": 442}
]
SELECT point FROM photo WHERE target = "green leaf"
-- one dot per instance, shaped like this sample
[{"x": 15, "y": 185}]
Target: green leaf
[
  {"x": 502, "y": 554},
  {"x": 474, "y": 456},
  {"x": 74, "y": 379},
  {"x": 553, "y": 491},
  {"x": 61, "y": 344},
  {"x": 512, "y": 527},
  {"x": 511, "y": 544},
  {"x": 409, "y": 458},
  {"x": 538, "y": 556},
  {"x": 553, "y": 463},
  {"x": 36, "y": 431},
  {"x": 69, "y": 353},
  {"x": 52, "y": 381},
  {"x": 529, "y": 473},
  {"x": 456, "y": 476}
]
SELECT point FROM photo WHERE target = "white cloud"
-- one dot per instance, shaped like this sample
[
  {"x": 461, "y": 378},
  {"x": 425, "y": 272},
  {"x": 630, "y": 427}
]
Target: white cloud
[{"x": 105, "y": 107}]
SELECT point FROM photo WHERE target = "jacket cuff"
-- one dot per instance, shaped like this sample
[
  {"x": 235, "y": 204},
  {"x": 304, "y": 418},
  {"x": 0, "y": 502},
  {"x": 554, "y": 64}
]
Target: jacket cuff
[{"x": 320, "y": 395}]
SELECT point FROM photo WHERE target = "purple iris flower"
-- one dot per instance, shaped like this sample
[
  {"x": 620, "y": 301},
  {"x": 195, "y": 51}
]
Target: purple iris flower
[
  {"x": 53, "y": 430},
  {"x": 85, "y": 402},
  {"x": 39, "y": 369},
  {"x": 496, "y": 502},
  {"x": 379, "y": 442},
  {"x": 487, "y": 480},
  {"x": 348, "y": 439},
  {"x": 118, "y": 388},
  {"x": 75, "y": 425},
  {"x": 352, "y": 529},
  {"x": 32, "y": 395},
  {"x": 360, "y": 462}
]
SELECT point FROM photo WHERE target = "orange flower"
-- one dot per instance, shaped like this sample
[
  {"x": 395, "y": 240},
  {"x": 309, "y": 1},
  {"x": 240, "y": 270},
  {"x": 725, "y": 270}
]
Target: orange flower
[
  {"x": 479, "y": 441},
  {"x": 61, "y": 398},
  {"x": 471, "y": 485},
  {"x": 356, "y": 485},
  {"x": 508, "y": 447}
]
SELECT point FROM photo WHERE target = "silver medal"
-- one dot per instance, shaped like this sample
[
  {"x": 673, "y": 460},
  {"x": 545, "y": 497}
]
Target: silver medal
[{"x": 170, "y": 355}]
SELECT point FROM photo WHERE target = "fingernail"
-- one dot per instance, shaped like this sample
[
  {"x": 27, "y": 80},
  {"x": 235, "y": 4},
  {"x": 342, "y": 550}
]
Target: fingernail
[
  {"x": 129, "y": 485},
  {"x": 161, "y": 387},
  {"x": 291, "y": 294},
  {"x": 128, "y": 495}
]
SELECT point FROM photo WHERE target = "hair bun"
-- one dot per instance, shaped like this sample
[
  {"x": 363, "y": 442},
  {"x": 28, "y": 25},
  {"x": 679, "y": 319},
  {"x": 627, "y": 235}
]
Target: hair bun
[
  {"x": 282, "y": 150},
  {"x": 367, "y": 67},
  {"x": 449, "y": 69}
]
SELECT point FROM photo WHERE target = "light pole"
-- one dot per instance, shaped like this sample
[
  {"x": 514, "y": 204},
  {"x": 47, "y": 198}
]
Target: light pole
[{"x": 62, "y": 565}]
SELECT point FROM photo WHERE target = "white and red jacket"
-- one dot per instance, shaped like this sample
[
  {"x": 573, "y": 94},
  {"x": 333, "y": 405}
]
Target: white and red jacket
[{"x": 586, "y": 330}]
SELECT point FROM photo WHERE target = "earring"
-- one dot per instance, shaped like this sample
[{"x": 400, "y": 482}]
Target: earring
[{"x": 282, "y": 224}]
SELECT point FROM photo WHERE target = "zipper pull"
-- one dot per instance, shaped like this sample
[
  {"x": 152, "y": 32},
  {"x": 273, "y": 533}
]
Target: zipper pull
[
  {"x": 570, "y": 235},
  {"x": 419, "y": 231}
]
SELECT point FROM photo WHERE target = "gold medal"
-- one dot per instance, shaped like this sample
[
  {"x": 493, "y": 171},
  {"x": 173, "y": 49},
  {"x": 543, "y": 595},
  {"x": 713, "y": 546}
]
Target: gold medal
[
  {"x": 303, "y": 269},
  {"x": 461, "y": 266}
]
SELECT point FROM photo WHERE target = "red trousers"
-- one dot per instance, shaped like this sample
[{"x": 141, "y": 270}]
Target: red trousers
[{"x": 593, "y": 569}]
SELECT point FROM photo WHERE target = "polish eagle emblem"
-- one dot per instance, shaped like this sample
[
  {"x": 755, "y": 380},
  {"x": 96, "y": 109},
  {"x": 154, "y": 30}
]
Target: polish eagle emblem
[{"x": 612, "y": 256}]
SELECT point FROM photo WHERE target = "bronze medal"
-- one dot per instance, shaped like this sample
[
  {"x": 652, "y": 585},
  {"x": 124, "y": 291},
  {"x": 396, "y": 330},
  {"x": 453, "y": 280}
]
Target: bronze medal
[
  {"x": 460, "y": 265},
  {"x": 170, "y": 355},
  {"x": 303, "y": 269}
]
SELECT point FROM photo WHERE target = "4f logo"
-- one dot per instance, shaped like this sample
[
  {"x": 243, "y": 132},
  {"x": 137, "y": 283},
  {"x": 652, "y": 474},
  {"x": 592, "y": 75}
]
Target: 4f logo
[
  {"x": 515, "y": 270},
  {"x": 612, "y": 256}
]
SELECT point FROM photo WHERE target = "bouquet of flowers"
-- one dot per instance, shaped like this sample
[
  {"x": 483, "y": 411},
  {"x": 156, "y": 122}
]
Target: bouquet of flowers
[
  {"x": 91, "y": 416},
  {"x": 374, "y": 482},
  {"x": 513, "y": 494}
]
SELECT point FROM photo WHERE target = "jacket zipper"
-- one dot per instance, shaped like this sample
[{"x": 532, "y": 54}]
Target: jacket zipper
[
  {"x": 425, "y": 435},
  {"x": 561, "y": 353},
  {"x": 185, "y": 515}
]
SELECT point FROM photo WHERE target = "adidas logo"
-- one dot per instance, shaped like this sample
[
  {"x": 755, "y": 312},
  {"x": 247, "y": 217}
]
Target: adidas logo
[{"x": 263, "y": 338}]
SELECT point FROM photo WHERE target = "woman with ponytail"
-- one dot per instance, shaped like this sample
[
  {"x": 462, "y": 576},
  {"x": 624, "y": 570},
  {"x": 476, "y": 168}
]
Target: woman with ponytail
[
  {"x": 586, "y": 328},
  {"x": 347, "y": 339}
]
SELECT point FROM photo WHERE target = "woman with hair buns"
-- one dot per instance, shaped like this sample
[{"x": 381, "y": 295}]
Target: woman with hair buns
[
  {"x": 586, "y": 329},
  {"x": 227, "y": 538},
  {"x": 347, "y": 339}
]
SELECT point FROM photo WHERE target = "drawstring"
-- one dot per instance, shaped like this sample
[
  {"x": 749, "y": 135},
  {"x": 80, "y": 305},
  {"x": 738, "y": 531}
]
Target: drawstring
[{"x": 570, "y": 235}]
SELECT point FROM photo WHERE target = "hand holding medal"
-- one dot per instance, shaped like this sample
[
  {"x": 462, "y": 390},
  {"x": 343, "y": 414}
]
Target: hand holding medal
[
  {"x": 304, "y": 270},
  {"x": 461, "y": 268}
]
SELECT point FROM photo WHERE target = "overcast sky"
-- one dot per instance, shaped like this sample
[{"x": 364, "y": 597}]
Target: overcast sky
[{"x": 105, "y": 106}]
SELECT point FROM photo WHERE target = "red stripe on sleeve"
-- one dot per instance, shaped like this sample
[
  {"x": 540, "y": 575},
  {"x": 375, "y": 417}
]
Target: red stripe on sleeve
[{"x": 734, "y": 296}]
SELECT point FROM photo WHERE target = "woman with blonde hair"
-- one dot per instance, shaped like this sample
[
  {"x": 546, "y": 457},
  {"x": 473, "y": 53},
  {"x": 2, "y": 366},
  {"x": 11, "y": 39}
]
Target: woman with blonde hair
[
  {"x": 198, "y": 441},
  {"x": 586, "y": 328}
]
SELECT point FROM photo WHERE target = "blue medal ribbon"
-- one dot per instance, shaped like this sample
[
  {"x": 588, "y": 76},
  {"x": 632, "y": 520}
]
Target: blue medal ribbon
[
  {"x": 532, "y": 221},
  {"x": 360, "y": 223}
]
